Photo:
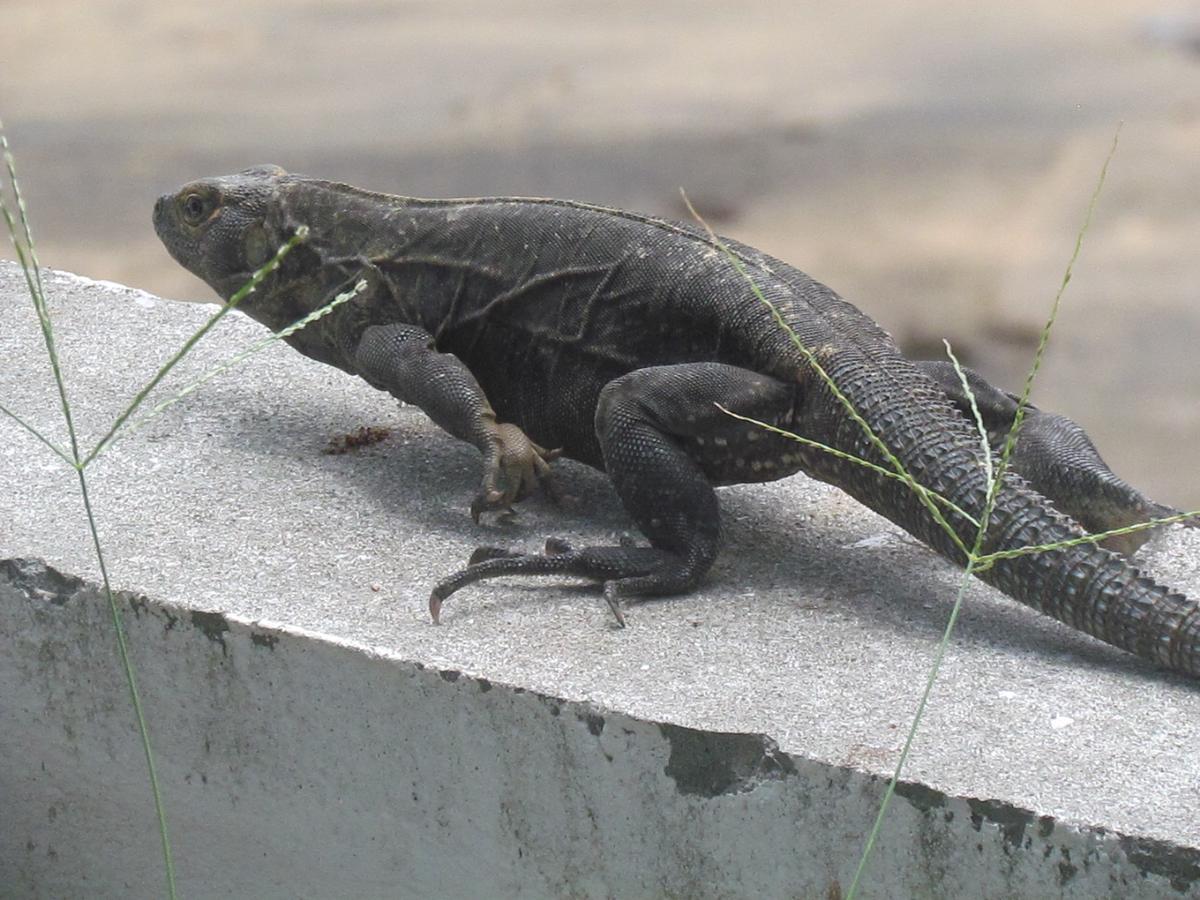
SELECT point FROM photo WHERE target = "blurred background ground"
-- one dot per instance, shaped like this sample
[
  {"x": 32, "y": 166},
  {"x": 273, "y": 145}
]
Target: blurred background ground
[{"x": 930, "y": 160}]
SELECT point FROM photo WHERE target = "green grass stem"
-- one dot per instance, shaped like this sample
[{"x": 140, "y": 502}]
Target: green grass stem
[
  {"x": 136, "y": 425},
  {"x": 815, "y": 364},
  {"x": 980, "y": 428},
  {"x": 987, "y": 559},
  {"x": 1044, "y": 338},
  {"x": 849, "y": 457},
  {"x": 22, "y": 239},
  {"x": 37, "y": 295},
  {"x": 59, "y": 451},
  {"x": 993, "y": 470},
  {"x": 226, "y": 308},
  {"x": 975, "y": 557}
]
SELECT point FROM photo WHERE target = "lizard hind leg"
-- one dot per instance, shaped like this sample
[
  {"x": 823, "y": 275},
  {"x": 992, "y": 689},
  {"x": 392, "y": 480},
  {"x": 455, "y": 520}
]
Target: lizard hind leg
[
  {"x": 1058, "y": 459},
  {"x": 665, "y": 443},
  {"x": 559, "y": 558}
]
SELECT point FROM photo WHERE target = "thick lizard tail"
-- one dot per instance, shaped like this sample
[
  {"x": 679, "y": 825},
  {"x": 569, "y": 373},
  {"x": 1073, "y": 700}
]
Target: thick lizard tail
[{"x": 1094, "y": 590}]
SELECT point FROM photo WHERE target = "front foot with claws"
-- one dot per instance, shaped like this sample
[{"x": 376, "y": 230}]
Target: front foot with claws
[{"x": 514, "y": 466}]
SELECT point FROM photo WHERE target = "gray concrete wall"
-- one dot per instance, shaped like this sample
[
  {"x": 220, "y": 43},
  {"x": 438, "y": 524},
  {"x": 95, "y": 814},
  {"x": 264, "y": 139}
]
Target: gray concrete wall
[
  {"x": 299, "y": 767},
  {"x": 317, "y": 737}
]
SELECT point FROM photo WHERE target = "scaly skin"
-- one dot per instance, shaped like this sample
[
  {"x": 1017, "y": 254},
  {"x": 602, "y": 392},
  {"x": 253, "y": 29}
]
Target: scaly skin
[{"x": 522, "y": 325}]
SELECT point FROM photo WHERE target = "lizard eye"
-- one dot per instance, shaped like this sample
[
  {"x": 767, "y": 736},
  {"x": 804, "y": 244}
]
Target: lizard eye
[{"x": 195, "y": 209}]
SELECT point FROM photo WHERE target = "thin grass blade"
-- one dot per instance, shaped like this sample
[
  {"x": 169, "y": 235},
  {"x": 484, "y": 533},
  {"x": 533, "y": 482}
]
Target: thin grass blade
[
  {"x": 849, "y": 457},
  {"x": 988, "y": 559},
  {"x": 34, "y": 283},
  {"x": 811, "y": 359},
  {"x": 66, "y": 457},
  {"x": 1010, "y": 442},
  {"x": 975, "y": 559},
  {"x": 255, "y": 279},
  {"x": 237, "y": 358}
]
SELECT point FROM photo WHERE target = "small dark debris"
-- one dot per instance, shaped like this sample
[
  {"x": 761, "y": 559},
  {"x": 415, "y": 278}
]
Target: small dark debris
[
  {"x": 1066, "y": 871},
  {"x": 213, "y": 625},
  {"x": 1012, "y": 820},
  {"x": 354, "y": 440},
  {"x": 924, "y": 797},
  {"x": 263, "y": 639}
]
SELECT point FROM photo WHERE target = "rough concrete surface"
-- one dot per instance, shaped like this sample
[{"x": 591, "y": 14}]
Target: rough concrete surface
[{"x": 317, "y": 736}]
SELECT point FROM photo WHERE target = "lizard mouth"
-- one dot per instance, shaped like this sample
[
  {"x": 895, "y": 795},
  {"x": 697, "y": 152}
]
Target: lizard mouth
[
  {"x": 164, "y": 227},
  {"x": 160, "y": 206},
  {"x": 174, "y": 237},
  {"x": 168, "y": 230}
]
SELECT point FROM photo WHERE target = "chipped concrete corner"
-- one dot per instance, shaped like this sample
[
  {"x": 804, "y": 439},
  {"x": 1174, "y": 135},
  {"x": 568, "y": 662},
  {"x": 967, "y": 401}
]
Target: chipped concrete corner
[{"x": 295, "y": 766}]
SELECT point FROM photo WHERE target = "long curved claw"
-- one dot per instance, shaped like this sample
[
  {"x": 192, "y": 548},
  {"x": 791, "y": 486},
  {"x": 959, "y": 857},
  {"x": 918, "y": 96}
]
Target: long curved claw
[
  {"x": 613, "y": 598},
  {"x": 488, "y": 501}
]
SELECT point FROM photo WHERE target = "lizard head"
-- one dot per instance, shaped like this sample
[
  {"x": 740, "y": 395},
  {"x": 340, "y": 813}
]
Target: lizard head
[{"x": 218, "y": 229}]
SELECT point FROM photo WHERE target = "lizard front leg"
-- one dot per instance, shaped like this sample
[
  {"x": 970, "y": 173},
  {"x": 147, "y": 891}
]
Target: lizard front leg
[
  {"x": 402, "y": 360},
  {"x": 1057, "y": 458}
]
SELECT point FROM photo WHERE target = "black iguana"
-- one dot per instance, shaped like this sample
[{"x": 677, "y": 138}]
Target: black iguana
[{"x": 524, "y": 324}]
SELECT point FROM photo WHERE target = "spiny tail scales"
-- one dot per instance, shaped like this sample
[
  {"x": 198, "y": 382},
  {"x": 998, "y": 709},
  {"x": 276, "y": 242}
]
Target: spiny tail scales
[{"x": 1092, "y": 589}]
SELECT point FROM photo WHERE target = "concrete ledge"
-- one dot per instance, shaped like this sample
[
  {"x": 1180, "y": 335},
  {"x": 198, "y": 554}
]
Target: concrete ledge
[
  {"x": 317, "y": 737},
  {"x": 297, "y": 766}
]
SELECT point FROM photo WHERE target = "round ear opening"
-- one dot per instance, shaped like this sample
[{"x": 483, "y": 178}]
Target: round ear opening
[{"x": 256, "y": 246}]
